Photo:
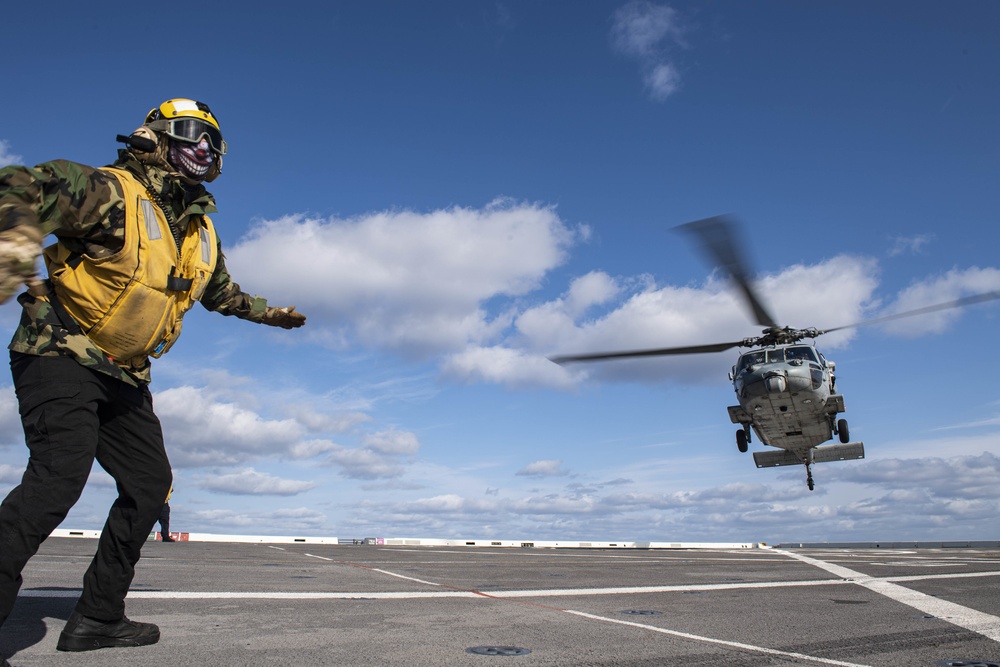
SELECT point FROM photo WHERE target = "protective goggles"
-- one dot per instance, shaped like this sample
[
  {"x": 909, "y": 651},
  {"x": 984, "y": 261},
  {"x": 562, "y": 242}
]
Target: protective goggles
[{"x": 192, "y": 130}]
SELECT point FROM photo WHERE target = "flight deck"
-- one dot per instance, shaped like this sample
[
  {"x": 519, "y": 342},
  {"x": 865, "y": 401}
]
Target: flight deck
[{"x": 222, "y": 604}]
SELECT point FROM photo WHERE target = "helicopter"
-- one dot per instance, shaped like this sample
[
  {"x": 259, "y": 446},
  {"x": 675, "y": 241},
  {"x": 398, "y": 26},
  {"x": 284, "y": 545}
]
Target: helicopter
[{"x": 785, "y": 388}]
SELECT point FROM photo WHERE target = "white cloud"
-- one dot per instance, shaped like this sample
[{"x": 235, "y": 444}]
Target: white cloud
[
  {"x": 392, "y": 441},
  {"x": 10, "y": 474},
  {"x": 294, "y": 521},
  {"x": 383, "y": 455},
  {"x": 11, "y": 431},
  {"x": 953, "y": 285},
  {"x": 544, "y": 468},
  {"x": 909, "y": 245},
  {"x": 502, "y": 365},
  {"x": 662, "y": 80},
  {"x": 647, "y": 31},
  {"x": 200, "y": 430},
  {"x": 413, "y": 282},
  {"x": 247, "y": 481},
  {"x": 7, "y": 157},
  {"x": 640, "y": 28},
  {"x": 833, "y": 292},
  {"x": 909, "y": 499},
  {"x": 306, "y": 449},
  {"x": 364, "y": 463},
  {"x": 589, "y": 290}
]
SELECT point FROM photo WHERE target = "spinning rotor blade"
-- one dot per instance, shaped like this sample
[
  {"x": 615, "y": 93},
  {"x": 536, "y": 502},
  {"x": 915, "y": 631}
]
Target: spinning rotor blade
[
  {"x": 957, "y": 303},
  {"x": 663, "y": 351},
  {"x": 717, "y": 236}
]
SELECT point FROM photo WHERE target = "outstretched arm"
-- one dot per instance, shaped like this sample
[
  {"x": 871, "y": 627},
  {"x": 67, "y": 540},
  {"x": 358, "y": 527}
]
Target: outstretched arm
[{"x": 225, "y": 296}]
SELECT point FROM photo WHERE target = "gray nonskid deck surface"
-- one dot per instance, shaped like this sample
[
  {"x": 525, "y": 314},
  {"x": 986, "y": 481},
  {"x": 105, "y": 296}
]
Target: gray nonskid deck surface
[{"x": 222, "y": 604}]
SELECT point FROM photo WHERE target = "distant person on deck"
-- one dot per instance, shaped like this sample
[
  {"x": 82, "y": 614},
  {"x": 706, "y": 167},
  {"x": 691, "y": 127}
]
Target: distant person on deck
[{"x": 165, "y": 518}]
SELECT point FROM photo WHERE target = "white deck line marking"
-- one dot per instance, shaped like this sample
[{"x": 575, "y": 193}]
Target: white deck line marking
[
  {"x": 544, "y": 554},
  {"x": 738, "y": 645},
  {"x": 223, "y": 595},
  {"x": 375, "y": 569},
  {"x": 947, "y": 575},
  {"x": 676, "y": 588},
  {"x": 721, "y": 642},
  {"x": 403, "y": 576},
  {"x": 970, "y": 619},
  {"x": 551, "y": 592}
]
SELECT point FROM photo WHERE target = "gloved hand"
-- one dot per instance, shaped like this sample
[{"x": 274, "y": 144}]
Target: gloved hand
[
  {"x": 286, "y": 318},
  {"x": 20, "y": 247}
]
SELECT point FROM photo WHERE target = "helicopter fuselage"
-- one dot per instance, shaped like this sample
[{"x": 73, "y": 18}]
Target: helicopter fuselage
[{"x": 787, "y": 395}]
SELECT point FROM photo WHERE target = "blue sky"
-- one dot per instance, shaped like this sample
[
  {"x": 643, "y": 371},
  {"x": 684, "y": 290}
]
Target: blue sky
[{"x": 453, "y": 191}]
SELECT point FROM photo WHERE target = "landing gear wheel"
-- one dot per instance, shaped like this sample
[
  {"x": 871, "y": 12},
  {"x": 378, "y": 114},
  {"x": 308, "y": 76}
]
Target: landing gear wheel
[
  {"x": 809, "y": 477},
  {"x": 741, "y": 440},
  {"x": 845, "y": 435}
]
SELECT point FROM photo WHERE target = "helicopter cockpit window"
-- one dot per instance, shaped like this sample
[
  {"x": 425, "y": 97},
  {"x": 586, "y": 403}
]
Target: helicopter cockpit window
[
  {"x": 803, "y": 352},
  {"x": 750, "y": 359},
  {"x": 775, "y": 355}
]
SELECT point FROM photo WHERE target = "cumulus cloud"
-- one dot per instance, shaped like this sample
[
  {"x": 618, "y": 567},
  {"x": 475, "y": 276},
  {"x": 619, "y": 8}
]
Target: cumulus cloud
[
  {"x": 392, "y": 441},
  {"x": 907, "y": 499},
  {"x": 648, "y": 32},
  {"x": 965, "y": 477},
  {"x": 640, "y": 314},
  {"x": 10, "y": 474},
  {"x": 909, "y": 245},
  {"x": 458, "y": 285},
  {"x": 413, "y": 282},
  {"x": 200, "y": 430},
  {"x": 544, "y": 468},
  {"x": 286, "y": 521},
  {"x": 247, "y": 481},
  {"x": 6, "y": 156},
  {"x": 11, "y": 432},
  {"x": 953, "y": 285},
  {"x": 383, "y": 455},
  {"x": 506, "y": 366}
]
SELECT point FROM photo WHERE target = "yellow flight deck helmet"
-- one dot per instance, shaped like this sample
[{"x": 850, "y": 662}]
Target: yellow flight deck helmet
[
  {"x": 181, "y": 119},
  {"x": 187, "y": 120}
]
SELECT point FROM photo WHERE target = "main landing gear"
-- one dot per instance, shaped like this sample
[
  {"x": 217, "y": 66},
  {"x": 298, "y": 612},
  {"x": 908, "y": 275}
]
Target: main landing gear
[
  {"x": 743, "y": 438},
  {"x": 809, "y": 476},
  {"x": 845, "y": 435}
]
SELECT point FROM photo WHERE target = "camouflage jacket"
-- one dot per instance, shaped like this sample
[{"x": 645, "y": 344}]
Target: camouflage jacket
[{"x": 83, "y": 208}]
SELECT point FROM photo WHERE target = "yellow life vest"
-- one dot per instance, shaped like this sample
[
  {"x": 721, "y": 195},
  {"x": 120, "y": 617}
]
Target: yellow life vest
[{"x": 131, "y": 304}]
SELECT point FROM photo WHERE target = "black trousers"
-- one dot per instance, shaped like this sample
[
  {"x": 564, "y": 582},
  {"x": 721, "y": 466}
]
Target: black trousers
[{"x": 72, "y": 416}]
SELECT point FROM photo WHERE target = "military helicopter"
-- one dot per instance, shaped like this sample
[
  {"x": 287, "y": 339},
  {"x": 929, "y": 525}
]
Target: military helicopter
[{"x": 786, "y": 389}]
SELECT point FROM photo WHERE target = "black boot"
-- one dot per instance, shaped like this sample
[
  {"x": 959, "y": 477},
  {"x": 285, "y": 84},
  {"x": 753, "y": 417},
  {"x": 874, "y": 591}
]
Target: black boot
[
  {"x": 166, "y": 538},
  {"x": 86, "y": 634}
]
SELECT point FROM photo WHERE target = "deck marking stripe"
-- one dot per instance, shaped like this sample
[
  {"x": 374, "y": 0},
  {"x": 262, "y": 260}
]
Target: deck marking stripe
[
  {"x": 403, "y": 576},
  {"x": 260, "y": 595},
  {"x": 458, "y": 592},
  {"x": 381, "y": 571},
  {"x": 721, "y": 642},
  {"x": 970, "y": 619},
  {"x": 498, "y": 595}
]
